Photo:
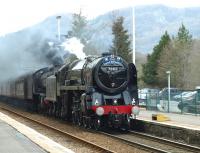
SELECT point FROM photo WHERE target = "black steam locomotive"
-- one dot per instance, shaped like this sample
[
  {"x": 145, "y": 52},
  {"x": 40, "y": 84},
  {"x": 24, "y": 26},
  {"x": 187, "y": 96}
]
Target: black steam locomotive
[{"x": 94, "y": 92}]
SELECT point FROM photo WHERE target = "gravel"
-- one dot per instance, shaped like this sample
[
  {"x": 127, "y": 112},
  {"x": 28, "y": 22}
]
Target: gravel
[{"x": 89, "y": 135}]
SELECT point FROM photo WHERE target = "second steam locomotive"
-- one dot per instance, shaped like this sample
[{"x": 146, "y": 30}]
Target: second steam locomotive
[{"x": 94, "y": 92}]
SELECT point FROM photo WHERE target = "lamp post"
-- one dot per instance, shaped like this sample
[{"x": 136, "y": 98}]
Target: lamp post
[
  {"x": 133, "y": 35},
  {"x": 168, "y": 72},
  {"x": 58, "y": 24}
]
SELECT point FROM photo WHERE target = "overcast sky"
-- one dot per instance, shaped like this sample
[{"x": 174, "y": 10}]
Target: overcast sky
[{"x": 17, "y": 14}]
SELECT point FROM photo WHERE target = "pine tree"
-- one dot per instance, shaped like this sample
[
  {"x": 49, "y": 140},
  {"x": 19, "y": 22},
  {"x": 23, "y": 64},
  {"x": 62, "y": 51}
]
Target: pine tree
[
  {"x": 183, "y": 47},
  {"x": 121, "y": 41},
  {"x": 81, "y": 31},
  {"x": 79, "y": 23},
  {"x": 79, "y": 27},
  {"x": 184, "y": 36},
  {"x": 176, "y": 58},
  {"x": 150, "y": 68}
]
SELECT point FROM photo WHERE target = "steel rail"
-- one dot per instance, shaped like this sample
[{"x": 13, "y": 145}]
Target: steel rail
[
  {"x": 186, "y": 147},
  {"x": 168, "y": 142},
  {"x": 137, "y": 144}
]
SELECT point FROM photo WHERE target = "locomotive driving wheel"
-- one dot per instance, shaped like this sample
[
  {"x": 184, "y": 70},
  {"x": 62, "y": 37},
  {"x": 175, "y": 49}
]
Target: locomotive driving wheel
[
  {"x": 126, "y": 125},
  {"x": 79, "y": 122},
  {"x": 76, "y": 118},
  {"x": 54, "y": 109},
  {"x": 84, "y": 122},
  {"x": 73, "y": 117},
  {"x": 89, "y": 124},
  {"x": 50, "y": 109},
  {"x": 97, "y": 124}
]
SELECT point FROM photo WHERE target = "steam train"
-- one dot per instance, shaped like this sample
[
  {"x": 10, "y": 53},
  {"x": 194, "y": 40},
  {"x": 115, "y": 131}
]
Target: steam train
[{"x": 95, "y": 92}]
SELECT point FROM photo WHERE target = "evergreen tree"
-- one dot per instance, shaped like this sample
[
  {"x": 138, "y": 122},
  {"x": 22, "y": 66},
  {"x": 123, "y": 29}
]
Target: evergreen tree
[
  {"x": 176, "y": 58},
  {"x": 150, "y": 68},
  {"x": 79, "y": 27},
  {"x": 183, "y": 46},
  {"x": 168, "y": 62},
  {"x": 184, "y": 36},
  {"x": 81, "y": 31},
  {"x": 121, "y": 41}
]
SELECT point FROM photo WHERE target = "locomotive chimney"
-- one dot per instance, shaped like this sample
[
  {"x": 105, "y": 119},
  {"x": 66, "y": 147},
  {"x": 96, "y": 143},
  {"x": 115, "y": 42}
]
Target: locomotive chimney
[
  {"x": 106, "y": 54},
  {"x": 58, "y": 24}
]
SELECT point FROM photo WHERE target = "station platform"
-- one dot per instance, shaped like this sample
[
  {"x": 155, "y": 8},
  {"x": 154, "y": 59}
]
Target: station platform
[
  {"x": 18, "y": 138},
  {"x": 187, "y": 121},
  {"x": 13, "y": 141},
  {"x": 178, "y": 127}
]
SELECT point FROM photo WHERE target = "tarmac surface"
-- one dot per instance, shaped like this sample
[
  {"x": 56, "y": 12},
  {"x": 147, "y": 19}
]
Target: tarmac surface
[
  {"x": 11, "y": 141},
  {"x": 16, "y": 137},
  {"x": 188, "y": 121}
]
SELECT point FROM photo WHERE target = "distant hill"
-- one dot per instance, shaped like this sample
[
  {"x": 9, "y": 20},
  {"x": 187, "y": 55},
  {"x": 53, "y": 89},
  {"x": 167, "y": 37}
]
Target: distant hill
[
  {"x": 151, "y": 23},
  {"x": 28, "y": 48}
]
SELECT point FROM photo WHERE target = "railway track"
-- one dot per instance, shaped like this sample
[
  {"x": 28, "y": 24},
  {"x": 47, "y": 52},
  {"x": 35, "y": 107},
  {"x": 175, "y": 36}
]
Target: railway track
[
  {"x": 153, "y": 144},
  {"x": 93, "y": 146},
  {"x": 135, "y": 139},
  {"x": 183, "y": 146}
]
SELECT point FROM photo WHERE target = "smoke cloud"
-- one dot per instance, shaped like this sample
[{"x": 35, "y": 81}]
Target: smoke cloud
[
  {"x": 36, "y": 47},
  {"x": 74, "y": 46},
  {"x": 22, "y": 53}
]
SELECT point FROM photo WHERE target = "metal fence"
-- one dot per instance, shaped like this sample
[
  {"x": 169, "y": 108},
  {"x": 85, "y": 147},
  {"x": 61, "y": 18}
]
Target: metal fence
[{"x": 180, "y": 102}]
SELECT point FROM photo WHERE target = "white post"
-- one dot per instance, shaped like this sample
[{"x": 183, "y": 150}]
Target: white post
[
  {"x": 133, "y": 35},
  {"x": 58, "y": 24},
  {"x": 168, "y": 72}
]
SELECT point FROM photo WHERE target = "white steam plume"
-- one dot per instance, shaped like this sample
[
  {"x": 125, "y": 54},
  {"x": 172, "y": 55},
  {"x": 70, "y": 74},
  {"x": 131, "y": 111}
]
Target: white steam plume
[{"x": 74, "y": 46}]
